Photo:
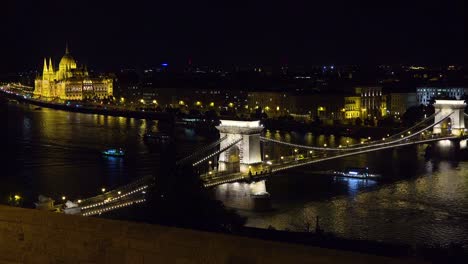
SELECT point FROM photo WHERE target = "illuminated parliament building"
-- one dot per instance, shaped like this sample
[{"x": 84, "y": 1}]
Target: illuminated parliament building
[{"x": 70, "y": 82}]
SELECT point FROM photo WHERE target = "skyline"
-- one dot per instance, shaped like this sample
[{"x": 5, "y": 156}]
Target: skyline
[{"x": 111, "y": 36}]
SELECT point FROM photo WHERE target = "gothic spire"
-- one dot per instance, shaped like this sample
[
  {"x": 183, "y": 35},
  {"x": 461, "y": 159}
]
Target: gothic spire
[
  {"x": 51, "y": 68},
  {"x": 45, "y": 70}
]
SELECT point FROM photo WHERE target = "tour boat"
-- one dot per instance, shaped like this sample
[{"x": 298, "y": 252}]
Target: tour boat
[
  {"x": 361, "y": 173},
  {"x": 114, "y": 152}
]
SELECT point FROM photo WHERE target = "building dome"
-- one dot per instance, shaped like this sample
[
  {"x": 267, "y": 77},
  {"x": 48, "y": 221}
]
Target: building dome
[{"x": 67, "y": 61}]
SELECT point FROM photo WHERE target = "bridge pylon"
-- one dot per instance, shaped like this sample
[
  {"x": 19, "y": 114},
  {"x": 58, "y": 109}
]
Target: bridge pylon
[
  {"x": 456, "y": 123},
  {"x": 246, "y": 152}
]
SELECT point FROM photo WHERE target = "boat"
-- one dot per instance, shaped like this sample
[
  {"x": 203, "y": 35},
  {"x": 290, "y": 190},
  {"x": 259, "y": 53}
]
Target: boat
[
  {"x": 159, "y": 137},
  {"x": 360, "y": 173},
  {"x": 114, "y": 152}
]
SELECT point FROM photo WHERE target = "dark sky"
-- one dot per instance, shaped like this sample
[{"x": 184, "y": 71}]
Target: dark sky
[{"x": 108, "y": 35}]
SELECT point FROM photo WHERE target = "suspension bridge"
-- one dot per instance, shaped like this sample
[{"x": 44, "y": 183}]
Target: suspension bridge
[{"x": 242, "y": 154}]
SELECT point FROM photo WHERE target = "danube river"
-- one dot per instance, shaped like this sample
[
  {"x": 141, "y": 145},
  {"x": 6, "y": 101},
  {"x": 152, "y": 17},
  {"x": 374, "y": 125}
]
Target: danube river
[{"x": 57, "y": 153}]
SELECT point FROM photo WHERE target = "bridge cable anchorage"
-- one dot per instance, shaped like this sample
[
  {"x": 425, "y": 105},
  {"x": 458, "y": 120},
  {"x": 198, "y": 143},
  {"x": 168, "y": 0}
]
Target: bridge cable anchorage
[
  {"x": 201, "y": 151},
  {"x": 357, "y": 146},
  {"x": 347, "y": 154},
  {"x": 228, "y": 146}
]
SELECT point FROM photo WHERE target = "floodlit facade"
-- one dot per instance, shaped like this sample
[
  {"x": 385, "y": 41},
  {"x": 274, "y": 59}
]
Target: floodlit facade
[
  {"x": 426, "y": 94},
  {"x": 352, "y": 107},
  {"x": 70, "y": 82},
  {"x": 373, "y": 102}
]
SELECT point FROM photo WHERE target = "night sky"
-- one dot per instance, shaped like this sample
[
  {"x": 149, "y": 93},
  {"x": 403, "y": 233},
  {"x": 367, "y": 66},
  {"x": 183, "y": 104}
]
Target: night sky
[{"x": 108, "y": 35}]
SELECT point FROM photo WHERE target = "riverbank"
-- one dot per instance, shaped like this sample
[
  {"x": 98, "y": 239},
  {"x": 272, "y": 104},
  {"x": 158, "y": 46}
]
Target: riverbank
[{"x": 162, "y": 116}]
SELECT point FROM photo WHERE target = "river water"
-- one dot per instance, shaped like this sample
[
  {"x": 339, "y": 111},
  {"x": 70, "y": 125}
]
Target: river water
[{"x": 57, "y": 153}]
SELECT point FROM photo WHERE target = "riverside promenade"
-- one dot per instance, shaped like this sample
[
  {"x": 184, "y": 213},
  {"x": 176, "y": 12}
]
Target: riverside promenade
[
  {"x": 33, "y": 236},
  {"x": 75, "y": 107}
]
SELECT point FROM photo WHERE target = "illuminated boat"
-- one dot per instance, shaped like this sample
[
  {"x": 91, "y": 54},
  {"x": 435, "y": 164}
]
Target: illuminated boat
[
  {"x": 360, "y": 173},
  {"x": 114, "y": 152}
]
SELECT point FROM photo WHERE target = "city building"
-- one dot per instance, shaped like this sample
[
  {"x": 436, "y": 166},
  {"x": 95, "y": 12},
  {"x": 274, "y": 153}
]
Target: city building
[
  {"x": 426, "y": 94},
  {"x": 398, "y": 103},
  {"x": 327, "y": 107},
  {"x": 373, "y": 102},
  {"x": 352, "y": 107},
  {"x": 70, "y": 82}
]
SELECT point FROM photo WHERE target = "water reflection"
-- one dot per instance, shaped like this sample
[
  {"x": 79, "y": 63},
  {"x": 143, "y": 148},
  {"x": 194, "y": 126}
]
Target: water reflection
[
  {"x": 416, "y": 201},
  {"x": 57, "y": 153}
]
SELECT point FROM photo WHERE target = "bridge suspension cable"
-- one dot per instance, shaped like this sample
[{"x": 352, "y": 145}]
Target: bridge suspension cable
[
  {"x": 415, "y": 126},
  {"x": 360, "y": 152},
  {"x": 355, "y": 147},
  {"x": 201, "y": 151},
  {"x": 429, "y": 118},
  {"x": 228, "y": 146}
]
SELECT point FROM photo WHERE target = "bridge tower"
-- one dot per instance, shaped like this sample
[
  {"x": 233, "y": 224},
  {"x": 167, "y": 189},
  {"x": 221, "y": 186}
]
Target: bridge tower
[
  {"x": 246, "y": 152},
  {"x": 457, "y": 119}
]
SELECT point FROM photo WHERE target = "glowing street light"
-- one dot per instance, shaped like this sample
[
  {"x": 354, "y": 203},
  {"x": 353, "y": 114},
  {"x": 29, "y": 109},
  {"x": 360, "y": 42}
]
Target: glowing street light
[
  {"x": 63, "y": 198},
  {"x": 325, "y": 145},
  {"x": 103, "y": 189},
  {"x": 266, "y": 156}
]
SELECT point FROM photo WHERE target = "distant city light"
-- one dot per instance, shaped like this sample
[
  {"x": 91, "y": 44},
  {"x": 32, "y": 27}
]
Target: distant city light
[{"x": 164, "y": 64}]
